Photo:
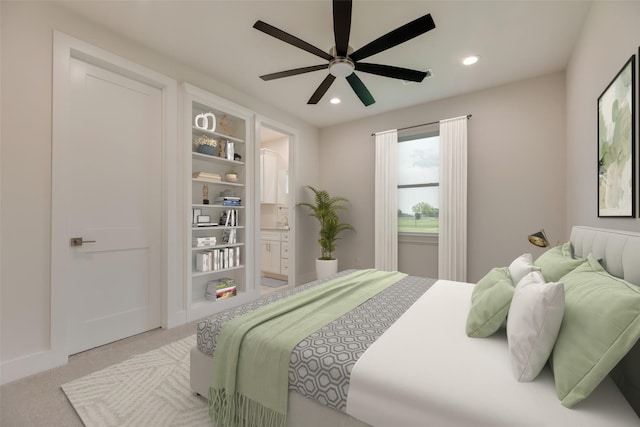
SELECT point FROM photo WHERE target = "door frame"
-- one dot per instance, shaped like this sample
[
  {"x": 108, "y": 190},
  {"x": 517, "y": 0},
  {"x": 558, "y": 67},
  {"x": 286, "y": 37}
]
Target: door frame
[
  {"x": 260, "y": 122},
  {"x": 173, "y": 311}
]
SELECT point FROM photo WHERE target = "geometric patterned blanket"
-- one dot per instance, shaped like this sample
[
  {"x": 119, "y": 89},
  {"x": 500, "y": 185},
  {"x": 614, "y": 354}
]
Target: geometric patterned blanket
[{"x": 321, "y": 364}]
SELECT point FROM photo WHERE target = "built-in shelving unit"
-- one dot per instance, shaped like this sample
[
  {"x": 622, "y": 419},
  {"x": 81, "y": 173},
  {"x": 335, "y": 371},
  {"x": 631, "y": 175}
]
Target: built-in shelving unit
[{"x": 220, "y": 212}]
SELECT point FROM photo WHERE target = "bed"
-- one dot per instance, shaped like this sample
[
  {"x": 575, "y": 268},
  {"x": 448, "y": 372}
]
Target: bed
[{"x": 403, "y": 358}]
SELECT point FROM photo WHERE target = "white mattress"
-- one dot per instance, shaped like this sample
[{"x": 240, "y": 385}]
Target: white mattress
[{"x": 441, "y": 377}]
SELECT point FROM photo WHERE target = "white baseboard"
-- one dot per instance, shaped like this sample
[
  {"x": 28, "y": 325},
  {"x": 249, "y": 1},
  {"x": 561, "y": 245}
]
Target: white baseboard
[{"x": 25, "y": 366}]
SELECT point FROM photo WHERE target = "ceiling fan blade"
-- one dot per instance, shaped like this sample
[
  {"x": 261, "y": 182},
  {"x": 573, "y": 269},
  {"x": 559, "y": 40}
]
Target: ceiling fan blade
[
  {"x": 393, "y": 72},
  {"x": 292, "y": 40},
  {"x": 322, "y": 89},
  {"x": 342, "y": 25},
  {"x": 293, "y": 72},
  {"x": 360, "y": 89},
  {"x": 395, "y": 37}
]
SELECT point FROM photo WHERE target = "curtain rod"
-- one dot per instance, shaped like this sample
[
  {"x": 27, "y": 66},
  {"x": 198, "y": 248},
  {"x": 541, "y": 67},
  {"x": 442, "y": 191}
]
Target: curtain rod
[{"x": 423, "y": 124}]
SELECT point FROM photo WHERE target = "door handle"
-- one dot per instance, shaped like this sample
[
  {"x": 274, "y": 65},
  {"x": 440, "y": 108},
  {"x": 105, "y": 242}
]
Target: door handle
[{"x": 78, "y": 241}]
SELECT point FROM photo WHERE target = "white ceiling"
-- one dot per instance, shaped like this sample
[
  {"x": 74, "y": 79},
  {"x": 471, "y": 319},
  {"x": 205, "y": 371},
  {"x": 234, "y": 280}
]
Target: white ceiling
[{"x": 514, "y": 39}]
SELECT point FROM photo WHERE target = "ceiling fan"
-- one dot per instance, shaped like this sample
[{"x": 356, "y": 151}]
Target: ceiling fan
[{"x": 343, "y": 61}]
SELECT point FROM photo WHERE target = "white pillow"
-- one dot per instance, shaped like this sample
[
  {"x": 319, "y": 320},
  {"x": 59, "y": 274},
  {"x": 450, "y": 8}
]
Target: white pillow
[
  {"x": 520, "y": 267},
  {"x": 533, "y": 324}
]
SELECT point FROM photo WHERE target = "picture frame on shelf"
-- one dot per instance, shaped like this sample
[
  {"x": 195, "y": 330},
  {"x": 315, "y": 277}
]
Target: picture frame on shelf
[
  {"x": 616, "y": 145},
  {"x": 204, "y": 219},
  {"x": 196, "y": 214}
]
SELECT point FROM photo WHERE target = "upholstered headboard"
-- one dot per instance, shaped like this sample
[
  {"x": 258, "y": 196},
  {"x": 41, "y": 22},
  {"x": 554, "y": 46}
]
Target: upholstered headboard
[{"x": 619, "y": 253}]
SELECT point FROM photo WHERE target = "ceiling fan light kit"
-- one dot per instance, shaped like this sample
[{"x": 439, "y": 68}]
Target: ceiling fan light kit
[
  {"x": 343, "y": 61},
  {"x": 341, "y": 67}
]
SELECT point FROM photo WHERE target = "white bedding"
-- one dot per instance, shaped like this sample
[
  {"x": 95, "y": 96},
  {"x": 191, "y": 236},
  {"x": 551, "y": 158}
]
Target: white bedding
[{"x": 433, "y": 374}]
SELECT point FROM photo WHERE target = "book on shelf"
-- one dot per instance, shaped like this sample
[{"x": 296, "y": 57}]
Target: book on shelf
[
  {"x": 208, "y": 176},
  {"x": 228, "y": 201},
  {"x": 206, "y": 224},
  {"x": 195, "y": 213},
  {"x": 218, "y": 259},
  {"x": 204, "y": 241},
  {"x": 221, "y": 288},
  {"x": 229, "y": 236},
  {"x": 227, "y": 294},
  {"x": 203, "y": 262},
  {"x": 229, "y": 218},
  {"x": 221, "y": 295}
]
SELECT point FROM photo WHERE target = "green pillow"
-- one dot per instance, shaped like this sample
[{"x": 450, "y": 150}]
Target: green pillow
[
  {"x": 556, "y": 262},
  {"x": 490, "y": 302},
  {"x": 601, "y": 323}
]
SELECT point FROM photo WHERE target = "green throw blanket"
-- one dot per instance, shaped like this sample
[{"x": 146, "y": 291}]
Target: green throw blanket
[{"x": 249, "y": 385}]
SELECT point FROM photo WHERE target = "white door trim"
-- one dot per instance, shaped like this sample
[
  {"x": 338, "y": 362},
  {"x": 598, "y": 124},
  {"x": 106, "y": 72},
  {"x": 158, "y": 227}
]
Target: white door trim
[
  {"x": 260, "y": 122},
  {"x": 64, "y": 48}
]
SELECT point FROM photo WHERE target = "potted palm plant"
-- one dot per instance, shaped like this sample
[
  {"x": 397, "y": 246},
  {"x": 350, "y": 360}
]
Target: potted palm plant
[{"x": 325, "y": 210}]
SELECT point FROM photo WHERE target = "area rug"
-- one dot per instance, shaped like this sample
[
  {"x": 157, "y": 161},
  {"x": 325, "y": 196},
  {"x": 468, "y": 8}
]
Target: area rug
[
  {"x": 272, "y": 283},
  {"x": 149, "y": 389}
]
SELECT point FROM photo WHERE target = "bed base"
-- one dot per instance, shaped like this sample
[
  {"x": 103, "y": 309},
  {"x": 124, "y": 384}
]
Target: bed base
[{"x": 302, "y": 411}]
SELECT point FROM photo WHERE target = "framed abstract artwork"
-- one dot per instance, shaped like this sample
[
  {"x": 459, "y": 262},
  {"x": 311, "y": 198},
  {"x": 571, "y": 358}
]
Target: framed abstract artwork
[{"x": 616, "y": 145}]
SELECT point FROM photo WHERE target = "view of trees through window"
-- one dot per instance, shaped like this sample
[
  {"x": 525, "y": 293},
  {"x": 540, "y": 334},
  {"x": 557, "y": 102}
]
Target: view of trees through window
[{"x": 418, "y": 184}]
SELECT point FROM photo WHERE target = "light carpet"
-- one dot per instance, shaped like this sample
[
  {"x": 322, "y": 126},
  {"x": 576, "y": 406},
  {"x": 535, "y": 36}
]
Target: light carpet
[{"x": 150, "y": 389}]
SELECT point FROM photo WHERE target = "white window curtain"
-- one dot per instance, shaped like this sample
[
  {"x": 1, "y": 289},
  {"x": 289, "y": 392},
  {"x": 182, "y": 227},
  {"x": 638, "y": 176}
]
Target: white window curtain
[
  {"x": 386, "y": 203},
  {"x": 452, "y": 239}
]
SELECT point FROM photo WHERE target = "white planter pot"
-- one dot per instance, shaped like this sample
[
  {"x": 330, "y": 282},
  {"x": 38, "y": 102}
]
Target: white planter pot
[{"x": 326, "y": 268}]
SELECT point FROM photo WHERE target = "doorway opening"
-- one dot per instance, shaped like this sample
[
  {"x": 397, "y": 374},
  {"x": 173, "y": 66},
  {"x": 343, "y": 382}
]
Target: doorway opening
[{"x": 275, "y": 199}]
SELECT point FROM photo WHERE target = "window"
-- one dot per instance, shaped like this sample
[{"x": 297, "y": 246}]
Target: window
[{"x": 418, "y": 184}]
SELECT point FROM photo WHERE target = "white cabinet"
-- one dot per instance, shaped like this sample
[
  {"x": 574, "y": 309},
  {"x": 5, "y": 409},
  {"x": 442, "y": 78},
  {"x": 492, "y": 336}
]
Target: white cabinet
[
  {"x": 284, "y": 254},
  {"x": 268, "y": 176},
  {"x": 218, "y": 138},
  {"x": 274, "y": 253},
  {"x": 270, "y": 252},
  {"x": 283, "y": 186}
]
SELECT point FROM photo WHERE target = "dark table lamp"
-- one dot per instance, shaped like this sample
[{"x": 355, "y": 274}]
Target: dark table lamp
[{"x": 539, "y": 239}]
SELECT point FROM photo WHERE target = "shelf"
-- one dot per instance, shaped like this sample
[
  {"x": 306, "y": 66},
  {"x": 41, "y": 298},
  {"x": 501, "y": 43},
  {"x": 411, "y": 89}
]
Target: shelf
[
  {"x": 209, "y": 273},
  {"x": 199, "y": 131},
  {"x": 217, "y": 227},
  {"x": 204, "y": 248},
  {"x": 207, "y": 157},
  {"x": 213, "y": 205},
  {"x": 203, "y": 301},
  {"x": 240, "y": 297},
  {"x": 206, "y": 181}
]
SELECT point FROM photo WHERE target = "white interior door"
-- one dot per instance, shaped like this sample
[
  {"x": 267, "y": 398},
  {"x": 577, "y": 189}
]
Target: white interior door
[{"x": 112, "y": 193}]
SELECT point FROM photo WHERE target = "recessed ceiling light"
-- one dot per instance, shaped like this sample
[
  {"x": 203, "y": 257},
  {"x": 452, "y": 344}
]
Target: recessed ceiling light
[
  {"x": 470, "y": 60},
  {"x": 335, "y": 100}
]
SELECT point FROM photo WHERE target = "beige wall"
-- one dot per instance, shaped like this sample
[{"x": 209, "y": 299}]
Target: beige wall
[
  {"x": 516, "y": 171},
  {"x": 611, "y": 34},
  {"x": 27, "y": 40}
]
